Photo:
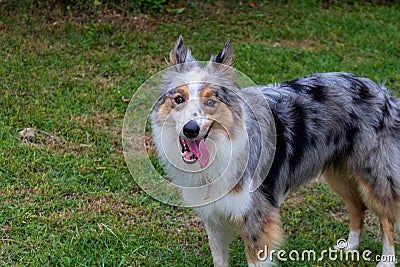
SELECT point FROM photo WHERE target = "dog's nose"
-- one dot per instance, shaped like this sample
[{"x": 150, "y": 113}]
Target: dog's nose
[{"x": 191, "y": 129}]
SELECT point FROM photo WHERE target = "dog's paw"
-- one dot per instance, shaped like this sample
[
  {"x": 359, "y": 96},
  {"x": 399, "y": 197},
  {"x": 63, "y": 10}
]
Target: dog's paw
[
  {"x": 349, "y": 247},
  {"x": 266, "y": 263}
]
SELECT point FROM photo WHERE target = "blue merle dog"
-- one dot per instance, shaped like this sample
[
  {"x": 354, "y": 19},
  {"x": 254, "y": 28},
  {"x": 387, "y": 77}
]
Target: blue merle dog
[{"x": 341, "y": 127}]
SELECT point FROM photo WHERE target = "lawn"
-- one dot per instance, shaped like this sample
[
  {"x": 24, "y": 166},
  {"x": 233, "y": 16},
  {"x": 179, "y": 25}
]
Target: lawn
[{"x": 67, "y": 197}]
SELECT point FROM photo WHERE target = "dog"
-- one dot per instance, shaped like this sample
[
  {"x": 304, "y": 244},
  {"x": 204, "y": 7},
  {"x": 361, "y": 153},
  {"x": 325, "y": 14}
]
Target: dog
[{"x": 262, "y": 142}]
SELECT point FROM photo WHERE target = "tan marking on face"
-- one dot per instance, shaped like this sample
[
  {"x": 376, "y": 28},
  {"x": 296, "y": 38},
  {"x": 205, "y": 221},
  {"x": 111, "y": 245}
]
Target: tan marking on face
[
  {"x": 207, "y": 92},
  {"x": 169, "y": 103},
  {"x": 220, "y": 113},
  {"x": 224, "y": 120},
  {"x": 183, "y": 91},
  {"x": 165, "y": 109},
  {"x": 222, "y": 117}
]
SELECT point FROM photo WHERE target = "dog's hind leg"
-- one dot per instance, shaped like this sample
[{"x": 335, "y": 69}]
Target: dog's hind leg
[
  {"x": 341, "y": 182},
  {"x": 219, "y": 237},
  {"x": 384, "y": 200}
]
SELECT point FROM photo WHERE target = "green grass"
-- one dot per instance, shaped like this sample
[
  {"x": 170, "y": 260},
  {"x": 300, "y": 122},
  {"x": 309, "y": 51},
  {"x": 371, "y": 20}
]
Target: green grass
[{"x": 68, "y": 199}]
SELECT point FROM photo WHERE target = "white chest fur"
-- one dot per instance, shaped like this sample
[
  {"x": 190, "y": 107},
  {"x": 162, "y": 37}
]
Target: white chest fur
[{"x": 231, "y": 207}]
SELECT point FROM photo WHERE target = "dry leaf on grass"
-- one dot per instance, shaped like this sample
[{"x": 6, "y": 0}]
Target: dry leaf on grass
[
  {"x": 28, "y": 133},
  {"x": 125, "y": 100}
]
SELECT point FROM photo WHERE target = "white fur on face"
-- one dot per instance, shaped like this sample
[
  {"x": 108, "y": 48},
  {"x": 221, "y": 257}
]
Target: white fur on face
[
  {"x": 191, "y": 111},
  {"x": 191, "y": 108}
]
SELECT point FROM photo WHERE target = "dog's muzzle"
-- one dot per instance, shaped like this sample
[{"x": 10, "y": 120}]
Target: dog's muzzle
[
  {"x": 194, "y": 150},
  {"x": 191, "y": 129}
]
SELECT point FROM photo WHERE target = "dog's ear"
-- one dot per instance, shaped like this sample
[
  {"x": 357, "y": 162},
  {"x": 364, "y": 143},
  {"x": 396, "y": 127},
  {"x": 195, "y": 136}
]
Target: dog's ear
[
  {"x": 225, "y": 56},
  {"x": 180, "y": 54}
]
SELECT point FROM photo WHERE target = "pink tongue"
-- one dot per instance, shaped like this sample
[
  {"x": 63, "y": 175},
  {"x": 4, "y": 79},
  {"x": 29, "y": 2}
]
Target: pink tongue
[{"x": 200, "y": 150}]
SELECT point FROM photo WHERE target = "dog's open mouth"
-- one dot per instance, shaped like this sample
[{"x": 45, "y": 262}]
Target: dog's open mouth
[{"x": 195, "y": 150}]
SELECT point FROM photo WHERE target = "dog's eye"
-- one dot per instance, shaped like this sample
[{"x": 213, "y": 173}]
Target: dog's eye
[
  {"x": 210, "y": 102},
  {"x": 179, "y": 100}
]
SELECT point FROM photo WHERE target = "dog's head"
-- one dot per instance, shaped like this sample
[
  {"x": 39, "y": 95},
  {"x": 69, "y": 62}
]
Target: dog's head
[{"x": 198, "y": 100}]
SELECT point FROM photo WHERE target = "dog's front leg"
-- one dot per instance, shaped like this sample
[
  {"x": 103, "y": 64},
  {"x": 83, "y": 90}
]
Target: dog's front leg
[
  {"x": 219, "y": 237},
  {"x": 261, "y": 233}
]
